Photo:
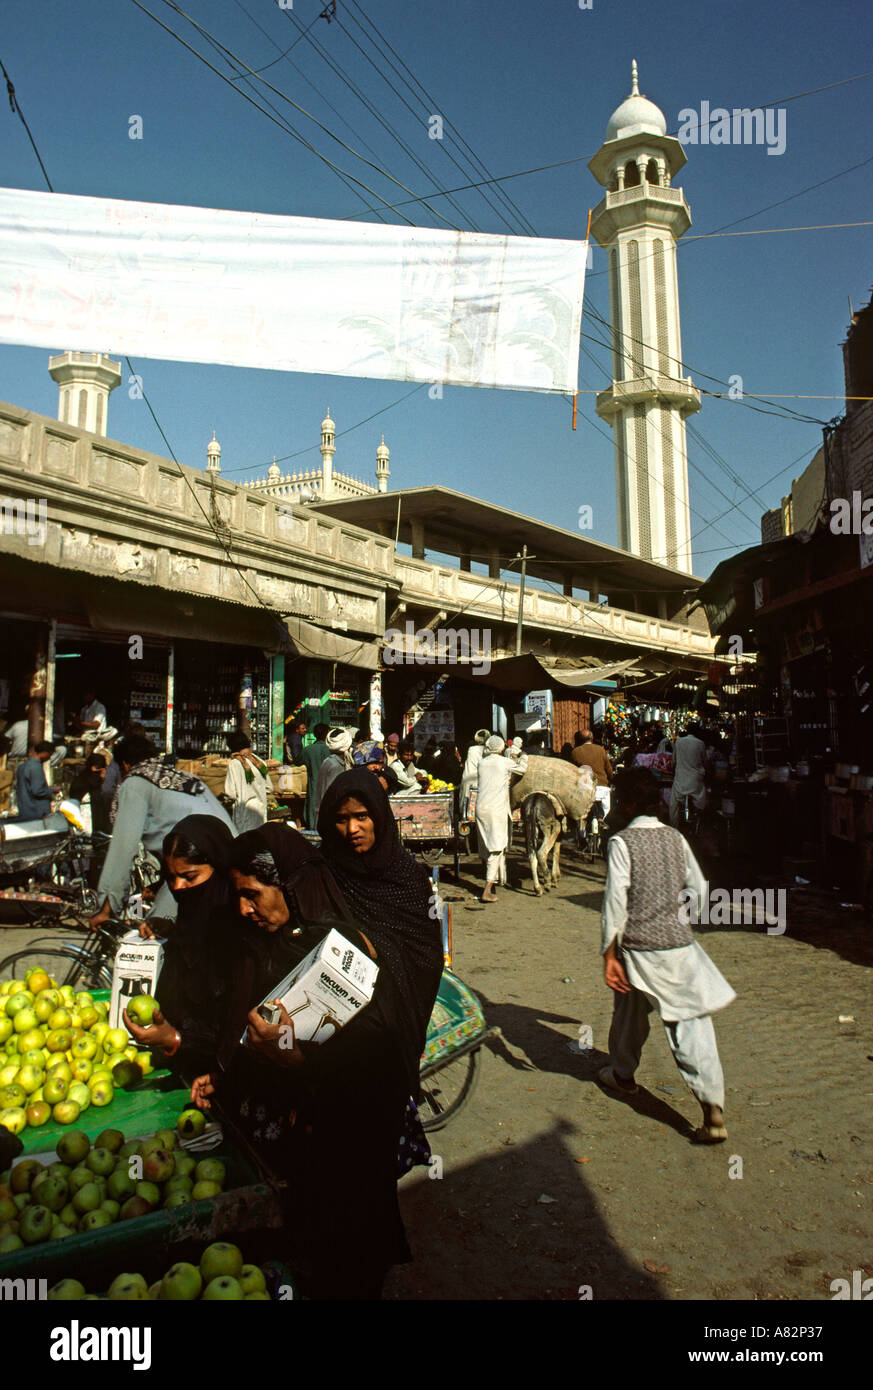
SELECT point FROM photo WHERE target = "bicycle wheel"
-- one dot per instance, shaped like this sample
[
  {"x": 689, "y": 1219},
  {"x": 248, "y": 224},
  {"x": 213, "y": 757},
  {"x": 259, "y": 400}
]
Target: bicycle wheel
[
  {"x": 443, "y": 1092},
  {"x": 81, "y": 969}
]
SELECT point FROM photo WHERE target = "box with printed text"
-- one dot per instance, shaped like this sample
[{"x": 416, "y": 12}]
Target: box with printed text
[
  {"x": 136, "y": 970},
  {"x": 325, "y": 990}
]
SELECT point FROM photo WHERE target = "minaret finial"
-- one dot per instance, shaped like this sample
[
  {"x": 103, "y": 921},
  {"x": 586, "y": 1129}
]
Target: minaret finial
[{"x": 635, "y": 90}]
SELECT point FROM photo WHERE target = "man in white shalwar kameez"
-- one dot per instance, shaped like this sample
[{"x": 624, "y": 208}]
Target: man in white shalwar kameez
[
  {"x": 493, "y": 822},
  {"x": 651, "y": 959},
  {"x": 470, "y": 774},
  {"x": 689, "y": 772}
]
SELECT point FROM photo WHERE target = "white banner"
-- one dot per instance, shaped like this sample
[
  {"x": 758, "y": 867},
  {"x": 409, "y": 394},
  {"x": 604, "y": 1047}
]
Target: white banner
[{"x": 290, "y": 293}]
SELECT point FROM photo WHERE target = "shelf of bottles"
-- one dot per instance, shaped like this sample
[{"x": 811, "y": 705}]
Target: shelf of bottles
[
  {"x": 208, "y": 713},
  {"x": 147, "y": 703}
]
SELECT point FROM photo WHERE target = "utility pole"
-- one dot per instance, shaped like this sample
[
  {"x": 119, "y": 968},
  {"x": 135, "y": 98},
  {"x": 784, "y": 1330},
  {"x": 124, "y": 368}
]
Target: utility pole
[{"x": 521, "y": 601}]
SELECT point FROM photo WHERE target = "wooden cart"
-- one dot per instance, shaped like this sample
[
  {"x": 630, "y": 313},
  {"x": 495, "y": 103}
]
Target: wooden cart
[{"x": 427, "y": 824}]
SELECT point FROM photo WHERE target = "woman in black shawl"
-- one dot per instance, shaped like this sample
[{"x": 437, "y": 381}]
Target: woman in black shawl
[{"x": 199, "y": 955}]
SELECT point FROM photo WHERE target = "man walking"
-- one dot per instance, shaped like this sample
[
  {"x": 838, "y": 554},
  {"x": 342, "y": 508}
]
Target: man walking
[
  {"x": 689, "y": 772},
  {"x": 650, "y": 956},
  {"x": 493, "y": 823}
]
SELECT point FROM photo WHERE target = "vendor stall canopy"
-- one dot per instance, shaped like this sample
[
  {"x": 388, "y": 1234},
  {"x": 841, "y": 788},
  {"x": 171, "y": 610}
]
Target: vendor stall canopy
[{"x": 301, "y": 294}]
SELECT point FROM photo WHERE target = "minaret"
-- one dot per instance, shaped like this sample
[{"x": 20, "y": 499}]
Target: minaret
[
  {"x": 639, "y": 221},
  {"x": 85, "y": 380},
  {"x": 328, "y": 449},
  {"x": 213, "y": 455},
  {"x": 383, "y": 472}
]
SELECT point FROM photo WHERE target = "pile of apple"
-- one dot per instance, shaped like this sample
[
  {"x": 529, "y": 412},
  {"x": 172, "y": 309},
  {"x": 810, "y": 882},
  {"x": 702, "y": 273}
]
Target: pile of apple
[
  {"x": 220, "y": 1276},
  {"x": 58, "y": 1055},
  {"x": 89, "y": 1188}
]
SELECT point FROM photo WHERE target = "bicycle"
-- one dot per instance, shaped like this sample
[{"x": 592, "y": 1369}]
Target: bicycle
[
  {"x": 689, "y": 816},
  {"x": 89, "y": 962}
]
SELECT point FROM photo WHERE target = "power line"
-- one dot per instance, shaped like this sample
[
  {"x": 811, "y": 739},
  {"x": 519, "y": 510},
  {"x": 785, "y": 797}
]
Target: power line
[{"x": 15, "y": 107}]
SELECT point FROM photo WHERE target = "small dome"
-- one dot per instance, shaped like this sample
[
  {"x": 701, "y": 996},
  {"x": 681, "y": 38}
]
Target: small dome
[
  {"x": 273, "y": 472},
  {"x": 383, "y": 452},
  {"x": 327, "y": 425},
  {"x": 636, "y": 115}
]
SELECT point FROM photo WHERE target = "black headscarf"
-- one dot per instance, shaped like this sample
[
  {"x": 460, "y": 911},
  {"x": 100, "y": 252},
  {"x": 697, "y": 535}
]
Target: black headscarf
[
  {"x": 389, "y": 893},
  {"x": 214, "y": 839}
]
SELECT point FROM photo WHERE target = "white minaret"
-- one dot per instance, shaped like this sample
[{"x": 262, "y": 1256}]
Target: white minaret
[
  {"x": 328, "y": 449},
  {"x": 639, "y": 221},
  {"x": 85, "y": 380},
  {"x": 213, "y": 455},
  {"x": 383, "y": 472}
]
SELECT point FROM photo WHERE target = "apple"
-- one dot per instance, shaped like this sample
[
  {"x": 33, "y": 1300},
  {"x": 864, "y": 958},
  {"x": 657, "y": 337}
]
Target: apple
[
  {"x": 111, "y": 1139},
  {"x": 116, "y": 1040},
  {"x": 5, "y": 1029},
  {"x": 34, "y": 1057},
  {"x": 10, "y": 1228},
  {"x": 67, "y": 1291},
  {"x": 210, "y": 1170},
  {"x": 203, "y": 1191},
  {"x": 13, "y": 1119},
  {"x": 38, "y": 980},
  {"x": 55, "y": 1088},
  {"x": 60, "y": 1020},
  {"x": 133, "y": 1207},
  {"x": 99, "y": 1074},
  {"x": 168, "y": 1138},
  {"x": 87, "y": 1198},
  {"x": 158, "y": 1165},
  {"x": 36, "y": 1225},
  {"x": 127, "y": 1287},
  {"x": 99, "y": 1029},
  {"x": 120, "y": 1185},
  {"x": 8, "y": 1074},
  {"x": 101, "y": 1161},
  {"x": 18, "y": 1004},
  {"x": 131, "y": 1053},
  {"x": 30, "y": 1080},
  {"x": 81, "y": 1068},
  {"x": 251, "y": 1280},
  {"x": 185, "y": 1165},
  {"x": 155, "y": 1290},
  {"x": 102, "y": 1093},
  {"x": 8, "y": 1209},
  {"x": 24, "y": 1020},
  {"x": 83, "y": 999},
  {"x": 259, "y": 1296},
  {"x": 149, "y": 1145},
  {"x": 142, "y": 1009},
  {"x": 126, "y": 1073},
  {"x": 144, "y": 1062},
  {"x": 73, "y": 1148},
  {"x": 181, "y": 1283},
  {"x": 10, "y": 1243},
  {"x": 69, "y": 1216},
  {"x": 50, "y": 1191},
  {"x": 95, "y": 1220},
  {"x": 177, "y": 1184},
  {"x": 66, "y": 1112},
  {"x": 11, "y": 1097},
  {"x": 60, "y": 1231},
  {"x": 89, "y": 1016},
  {"x": 111, "y": 1207},
  {"x": 44, "y": 1007},
  {"x": 150, "y": 1191},
  {"x": 176, "y": 1199},
  {"x": 225, "y": 1287},
  {"x": 38, "y": 1113},
  {"x": 85, "y": 1047},
  {"x": 80, "y": 1094},
  {"x": 220, "y": 1258},
  {"x": 191, "y": 1123},
  {"x": 128, "y": 1149},
  {"x": 79, "y": 1177},
  {"x": 23, "y": 1175},
  {"x": 32, "y": 1041}
]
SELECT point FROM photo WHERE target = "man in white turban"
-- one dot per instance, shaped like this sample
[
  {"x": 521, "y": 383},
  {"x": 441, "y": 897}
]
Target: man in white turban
[
  {"x": 493, "y": 822},
  {"x": 339, "y": 758},
  {"x": 470, "y": 774}
]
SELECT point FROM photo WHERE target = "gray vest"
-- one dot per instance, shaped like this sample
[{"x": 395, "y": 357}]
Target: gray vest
[{"x": 657, "y": 877}]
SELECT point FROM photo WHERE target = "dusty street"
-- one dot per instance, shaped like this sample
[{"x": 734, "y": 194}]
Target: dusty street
[{"x": 551, "y": 1184}]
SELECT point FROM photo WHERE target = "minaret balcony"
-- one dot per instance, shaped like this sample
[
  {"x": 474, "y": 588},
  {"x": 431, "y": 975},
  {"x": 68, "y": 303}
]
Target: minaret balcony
[
  {"x": 645, "y": 204},
  {"x": 665, "y": 390}
]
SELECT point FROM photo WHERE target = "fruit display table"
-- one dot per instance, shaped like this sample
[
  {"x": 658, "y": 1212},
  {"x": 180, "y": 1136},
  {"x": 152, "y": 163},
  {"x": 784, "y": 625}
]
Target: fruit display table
[{"x": 155, "y": 1104}]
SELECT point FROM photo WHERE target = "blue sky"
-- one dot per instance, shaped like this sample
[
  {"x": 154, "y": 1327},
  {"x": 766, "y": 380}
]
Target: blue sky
[{"x": 526, "y": 85}]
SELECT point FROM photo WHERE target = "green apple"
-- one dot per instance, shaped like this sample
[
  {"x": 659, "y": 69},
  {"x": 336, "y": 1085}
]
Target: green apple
[
  {"x": 85, "y": 1047},
  {"x": 55, "y": 1088},
  {"x": 69, "y": 1216},
  {"x": 131, "y": 1052},
  {"x": 99, "y": 1029},
  {"x": 8, "y": 1074},
  {"x": 129, "y": 1147},
  {"x": 87, "y": 1198},
  {"x": 34, "y": 1058},
  {"x": 11, "y": 1049},
  {"x": 176, "y": 1199},
  {"x": 210, "y": 1170},
  {"x": 177, "y": 1184},
  {"x": 120, "y": 1185},
  {"x": 8, "y": 1209},
  {"x": 36, "y": 1225},
  {"x": 158, "y": 1165},
  {"x": 24, "y": 1020},
  {"x": 50, "y": 1191},
  {"x": 116, "y": 1040},
  {"x": 80, "y": 1094},
  {"x": 126, "y": 1073},
  {"x": 31, "y": 1041},
  {"x": 80, "y": 1177},
  {"x": 142, "y": 1008},
  {"x": 60, "y": 1231},
  {"x": 66, "y": 1112},
  {"x": 251, "y": 1280},
  {"x": 155, "y": 1290},
  {"x": 111, "y": 1139},
  {"x": 38, "y": 980},
  {"x": 181, "y": 1283},
  {"x": 11, "y": 1097},
  {"x": 133, "y": 1207},
  {"x": 30, "y": 1079},
  {"x": 150, "y": 1191},
  {"x": 44, "y": 1007},
  {"x": 24, "y": 1174},
  {"x": 185, "y": 1165},
  {"x": 225, "y": 1287},
  {"x": 191, "y": 1123},
  {"x": 99, "y": 1074},
  {"x": 74, "y": 1147},
  {"x": 20, "y": 1003},
  {"x": 95, "y": 1220},
  {"x": 67, "y": 993},
  {"x": 220, "y": 1258},
  {"x": 111, "y": 1207},
  {"x": 101, "y": 1161},
  {"x": 259, "y": 1296},
  {"x": 10, "y": 1243},
  {"x": 204, "y": 1191},
  {"x": 5, "y": 1029},
  {"x": 149, "y": 1145},
  {"x": 13, "y": 1119},
  {"x": 60, "y": 1019},
  {"x": 168, "y": 1138},
  {"x": 102, "y": 1093},
  {"x": 67, "y": 1291},
  {"x": 81, "y": 1068},
  {"x": 38, "y": 1113},
  {"x": 10, "y": 1228},
  {"x": 89, "y": 1014},
  {"x": 144, "y": 1062},
  {"x": 127, "y": 1288}
]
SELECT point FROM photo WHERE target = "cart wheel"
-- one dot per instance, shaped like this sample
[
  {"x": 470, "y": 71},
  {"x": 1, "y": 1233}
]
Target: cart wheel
[
  {"x": 445, "y": 1091},
  {"x": 432, "y": 856}
]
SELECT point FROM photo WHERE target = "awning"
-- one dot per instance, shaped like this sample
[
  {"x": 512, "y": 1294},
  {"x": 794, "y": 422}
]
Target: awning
[
  {"x": 527, "y": 672},
  {"x": 321, "y": 644},
  {"x": 155, "y": 613}
]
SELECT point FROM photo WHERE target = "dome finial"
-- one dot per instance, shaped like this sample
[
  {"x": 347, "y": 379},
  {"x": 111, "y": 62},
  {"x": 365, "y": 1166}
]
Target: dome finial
[{"x": 635, "y": 88}]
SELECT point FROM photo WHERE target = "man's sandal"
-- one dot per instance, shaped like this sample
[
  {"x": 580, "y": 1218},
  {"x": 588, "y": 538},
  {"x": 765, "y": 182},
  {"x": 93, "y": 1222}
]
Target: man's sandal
[
  {"x": 607, "y": 1077},
  {"x": 709, "y": 1134}
]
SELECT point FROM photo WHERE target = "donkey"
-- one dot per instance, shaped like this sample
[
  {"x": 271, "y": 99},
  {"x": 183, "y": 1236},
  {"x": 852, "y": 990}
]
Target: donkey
[{"x": 543, "y": 819}]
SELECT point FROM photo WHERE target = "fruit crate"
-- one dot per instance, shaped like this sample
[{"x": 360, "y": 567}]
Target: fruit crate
[{"x": 248, "y": 1208}]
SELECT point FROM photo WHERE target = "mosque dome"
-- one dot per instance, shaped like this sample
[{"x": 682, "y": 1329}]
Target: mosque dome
[{"x": 636, "y": 115}]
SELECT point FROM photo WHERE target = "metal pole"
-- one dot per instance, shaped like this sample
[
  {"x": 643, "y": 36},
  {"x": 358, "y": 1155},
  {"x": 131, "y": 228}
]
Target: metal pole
[
  {"x": 171, "y": 697},
  {"x": 48, "y": 726},
  {"x": 521, "y": 601}
]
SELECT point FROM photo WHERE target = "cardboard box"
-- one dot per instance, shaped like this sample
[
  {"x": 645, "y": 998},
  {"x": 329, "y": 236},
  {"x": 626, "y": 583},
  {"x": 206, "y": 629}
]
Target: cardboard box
[
  {"x": 327, "y": 989},
  {"x": 136, "y": 971}
]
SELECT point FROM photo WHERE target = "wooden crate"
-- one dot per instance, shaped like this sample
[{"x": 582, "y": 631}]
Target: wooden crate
[{"x": 424, "y": 817}]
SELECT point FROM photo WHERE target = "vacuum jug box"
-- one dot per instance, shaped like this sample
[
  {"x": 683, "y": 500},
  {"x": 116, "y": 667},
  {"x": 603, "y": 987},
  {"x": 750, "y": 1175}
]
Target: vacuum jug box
[
  {"x": 325, "y": 990},
  {"x": 136, "y": 970}
]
